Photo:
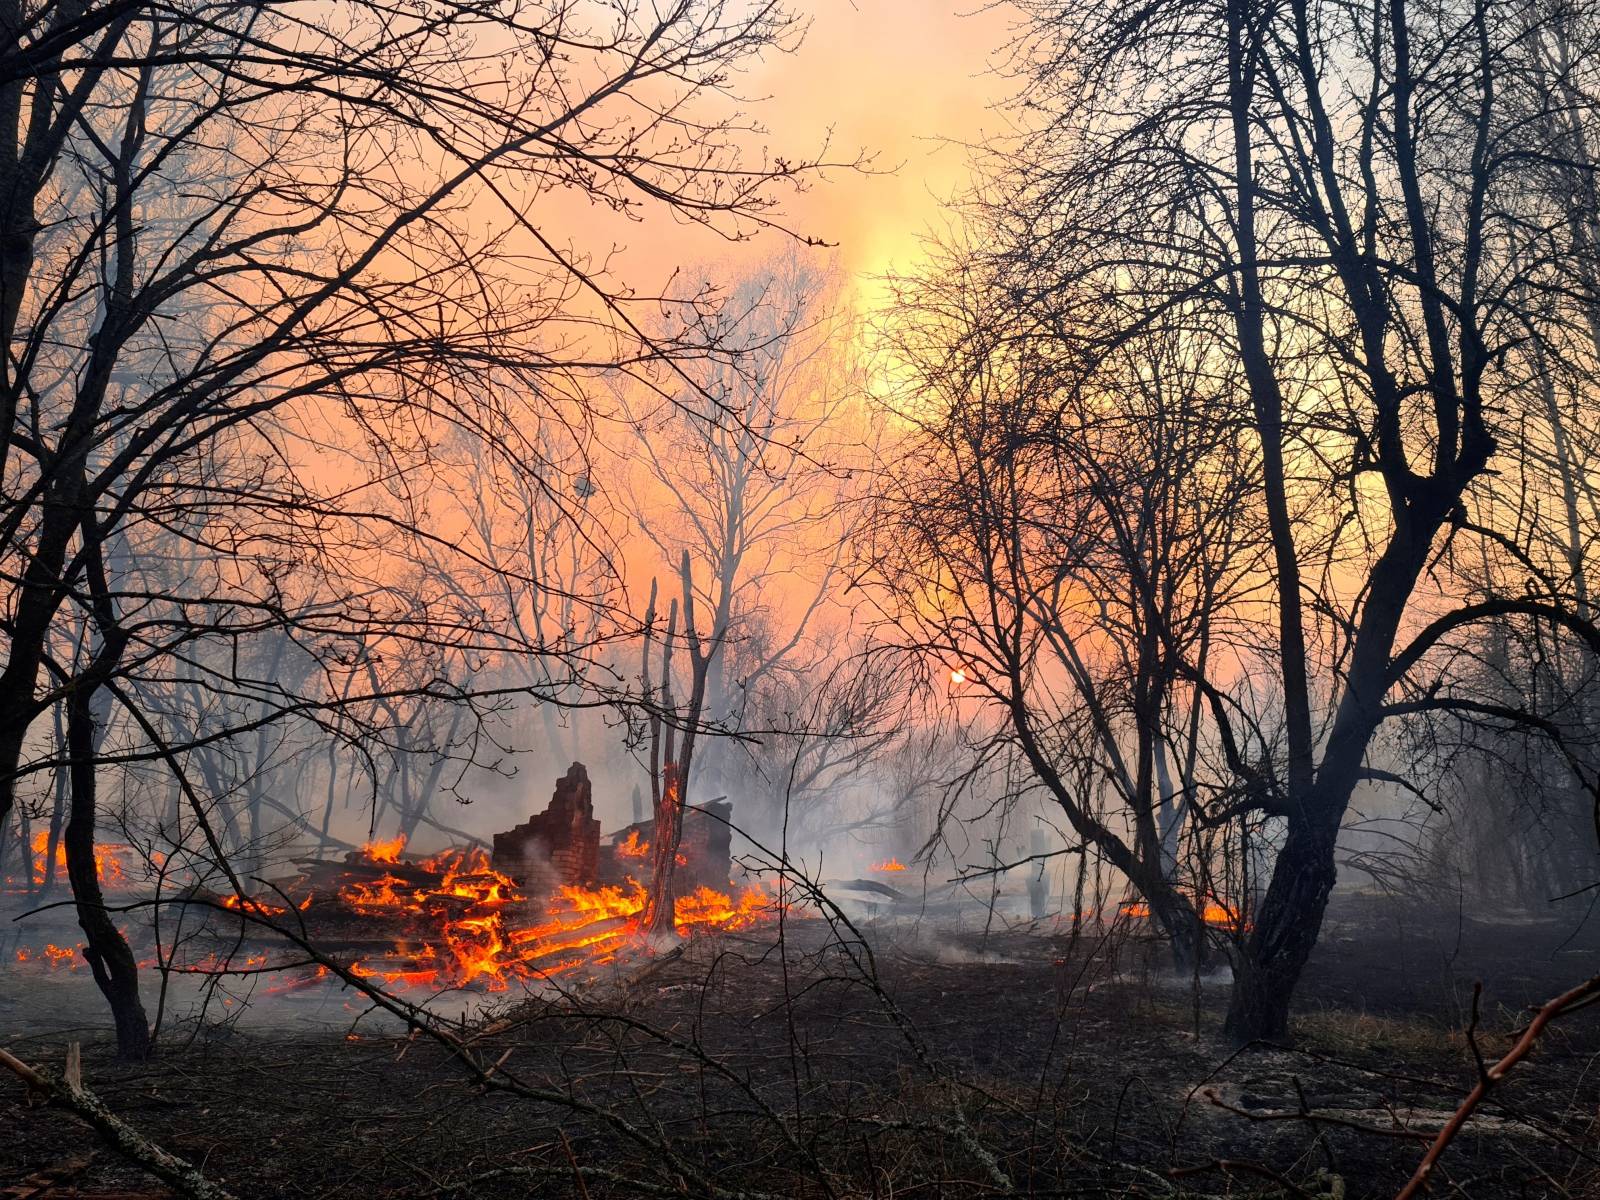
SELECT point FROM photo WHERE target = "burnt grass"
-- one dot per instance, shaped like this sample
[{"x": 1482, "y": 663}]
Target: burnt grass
[{"x": 1025, "y": 1062}]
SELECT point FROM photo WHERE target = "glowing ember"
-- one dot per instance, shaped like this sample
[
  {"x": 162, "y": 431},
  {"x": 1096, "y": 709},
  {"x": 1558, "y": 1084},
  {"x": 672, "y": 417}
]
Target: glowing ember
[
  {"x": 52, "y": 957},
  {"x": 889, "y": 864}
]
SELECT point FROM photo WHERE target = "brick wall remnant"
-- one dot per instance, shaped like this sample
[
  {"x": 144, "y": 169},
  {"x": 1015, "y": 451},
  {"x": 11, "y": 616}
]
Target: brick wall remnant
[{"x": 559, "y": 846}]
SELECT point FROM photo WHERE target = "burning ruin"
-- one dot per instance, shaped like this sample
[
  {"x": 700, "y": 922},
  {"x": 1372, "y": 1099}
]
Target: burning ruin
[
  {"x": 549, "y": 901},
  {"x": 562, "y": 847},
  {"x": 705, "y": 850},
  {"x": 558, "y": 847}
]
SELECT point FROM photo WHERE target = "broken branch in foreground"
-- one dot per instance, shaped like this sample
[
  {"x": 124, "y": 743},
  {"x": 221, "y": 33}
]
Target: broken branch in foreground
[
  {"x": 68, "y": 1091},
  {"x": 1568, "y": 1002}
]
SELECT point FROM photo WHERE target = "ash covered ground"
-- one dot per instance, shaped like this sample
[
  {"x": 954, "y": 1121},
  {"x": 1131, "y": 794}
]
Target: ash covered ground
[{"x": 946, "y": 1062}]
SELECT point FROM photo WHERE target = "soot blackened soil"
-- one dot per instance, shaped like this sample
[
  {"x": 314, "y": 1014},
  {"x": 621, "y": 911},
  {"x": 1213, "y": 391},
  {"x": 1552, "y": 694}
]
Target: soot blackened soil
[{"x": 951, "y": 1066}]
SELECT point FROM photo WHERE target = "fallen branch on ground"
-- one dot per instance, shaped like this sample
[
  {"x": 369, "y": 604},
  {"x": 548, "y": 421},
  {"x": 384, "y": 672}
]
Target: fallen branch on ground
[{"x": 68, "y": 1091}]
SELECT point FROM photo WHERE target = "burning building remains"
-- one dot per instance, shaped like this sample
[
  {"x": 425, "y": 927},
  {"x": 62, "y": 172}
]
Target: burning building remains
[
  {"x": 549, "y": 901},
  {"x": 562, "y": 846},
  {"x": 559, "y": 846},
  {"x": 550, "y": 898}
]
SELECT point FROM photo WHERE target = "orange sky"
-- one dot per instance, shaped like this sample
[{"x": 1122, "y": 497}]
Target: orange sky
[{"x": 897, "y": 78}]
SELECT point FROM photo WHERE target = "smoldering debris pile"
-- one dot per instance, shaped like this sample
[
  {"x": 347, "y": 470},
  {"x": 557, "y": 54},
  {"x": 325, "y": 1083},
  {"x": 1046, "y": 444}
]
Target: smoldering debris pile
[{"x": 550, "y": 902}]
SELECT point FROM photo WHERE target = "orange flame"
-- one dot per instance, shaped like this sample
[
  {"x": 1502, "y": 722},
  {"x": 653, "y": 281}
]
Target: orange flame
[
  {"x": 108, "y": 860},
  {"x": 889, "y": 864},
  {"x": 261, "y": 907},
  {"x": 475, "y": 925},
  {"x": 460, "y": 923},
  {"x": 385, "y": 852},
  {"x": 1211, "y": 912},
  {"x": 51, "y": 956},
  {"x": 632, "y": 846}
]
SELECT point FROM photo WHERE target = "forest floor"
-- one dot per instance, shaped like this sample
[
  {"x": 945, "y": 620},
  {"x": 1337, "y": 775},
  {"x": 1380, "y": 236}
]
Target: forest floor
[{"x": 958, "y": 1066}]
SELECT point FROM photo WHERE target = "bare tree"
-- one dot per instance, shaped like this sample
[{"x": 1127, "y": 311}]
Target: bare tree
[
  {"x": 1064, "y": 540},
  {"x": 259, "y": 262},
  {"x": 1348, "y": 194},
  {"x": 818, "y": 732},
  {"x": 745, "y": 467},
  {"x": 543, "y": 565}
]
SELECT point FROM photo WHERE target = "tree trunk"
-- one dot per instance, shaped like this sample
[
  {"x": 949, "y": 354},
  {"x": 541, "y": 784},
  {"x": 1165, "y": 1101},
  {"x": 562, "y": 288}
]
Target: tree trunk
[
  {"x": 676, "y": 762},
  {"x": 107, "y": 951},
  {"x": 1287, "y": 924},
  {"x": 61, "y": 786},
  {"x": 1181, "y": 922},
  {"x": 662, "y": 898}
]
